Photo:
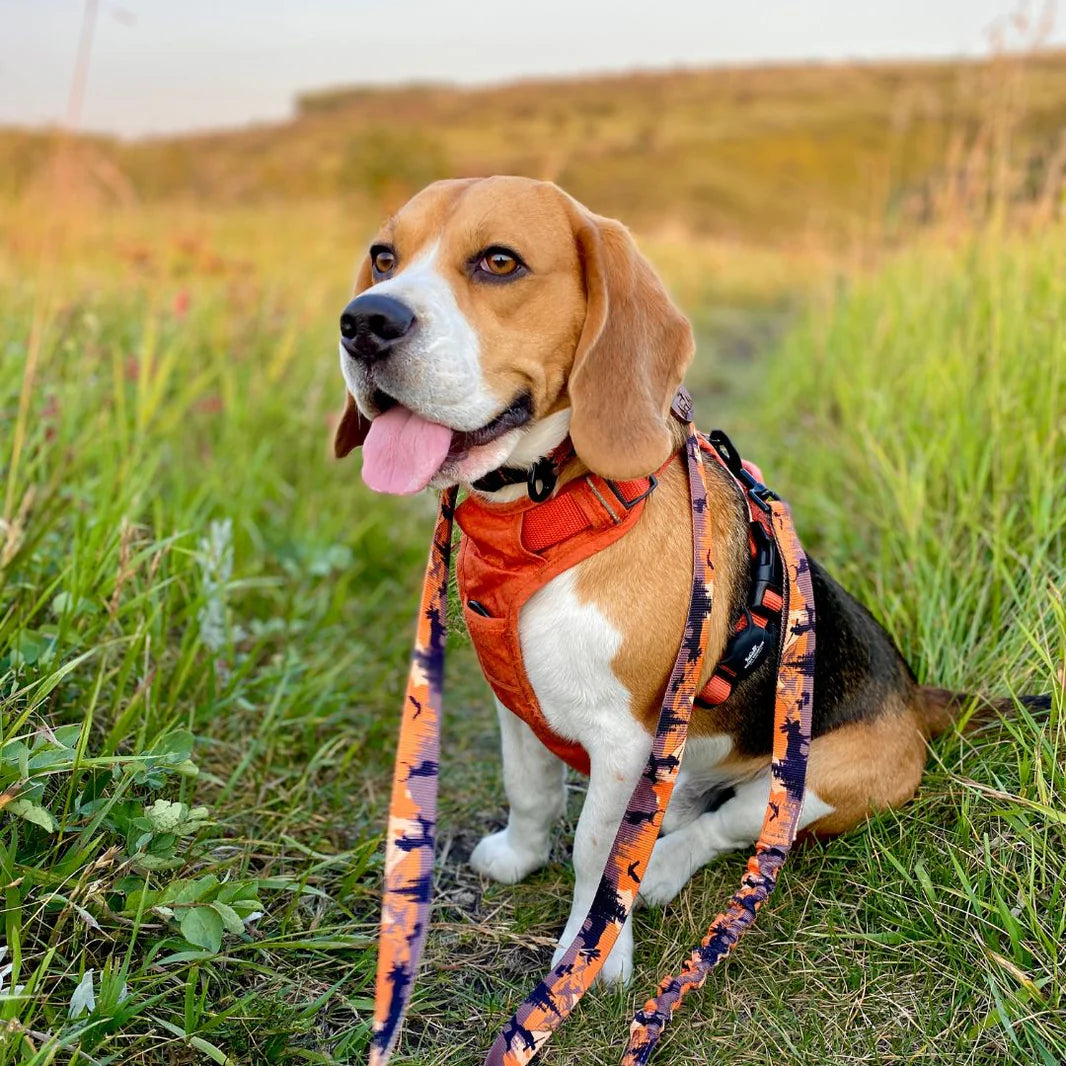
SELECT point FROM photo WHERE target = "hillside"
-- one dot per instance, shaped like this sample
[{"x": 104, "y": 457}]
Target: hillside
[{"x": 757, "y": 152}]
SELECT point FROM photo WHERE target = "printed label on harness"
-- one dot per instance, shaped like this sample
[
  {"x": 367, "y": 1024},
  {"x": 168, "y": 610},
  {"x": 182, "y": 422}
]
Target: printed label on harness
[{"x": 754, "y": 654}]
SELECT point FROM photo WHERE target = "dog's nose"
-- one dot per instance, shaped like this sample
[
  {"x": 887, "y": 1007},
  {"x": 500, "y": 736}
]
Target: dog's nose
[{"x": 372, "y": 324}]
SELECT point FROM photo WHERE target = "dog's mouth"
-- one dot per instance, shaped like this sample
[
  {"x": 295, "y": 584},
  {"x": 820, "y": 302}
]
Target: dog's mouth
[{"x": 404, "y": 451}]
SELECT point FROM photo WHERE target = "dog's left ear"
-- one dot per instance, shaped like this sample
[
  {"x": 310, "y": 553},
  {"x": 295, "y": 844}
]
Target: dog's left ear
[
  {"x": 353, "y": 427},
  {"x": 633, "y": 352}
]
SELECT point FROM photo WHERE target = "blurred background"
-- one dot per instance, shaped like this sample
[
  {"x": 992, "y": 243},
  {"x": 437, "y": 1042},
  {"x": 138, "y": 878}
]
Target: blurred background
[{"x": 205, "y": 620}]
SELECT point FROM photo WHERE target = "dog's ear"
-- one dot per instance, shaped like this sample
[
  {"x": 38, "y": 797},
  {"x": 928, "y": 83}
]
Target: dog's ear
[
  {"x": 353, "y": 427},
  {"x": 632, "y": 354},
  {"x": 351, "y": 430}
]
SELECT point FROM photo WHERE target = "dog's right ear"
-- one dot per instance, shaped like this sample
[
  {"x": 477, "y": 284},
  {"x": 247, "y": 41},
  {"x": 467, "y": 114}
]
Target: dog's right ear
[
  {"x": 351, "y": 430},
  {"x": 353, "y": 427}
]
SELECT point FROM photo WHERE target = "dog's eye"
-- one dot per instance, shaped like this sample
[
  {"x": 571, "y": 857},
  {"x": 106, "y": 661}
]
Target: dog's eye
[
  {"x": 382, "y": 259},
  {"x": 499, "y": 263}
]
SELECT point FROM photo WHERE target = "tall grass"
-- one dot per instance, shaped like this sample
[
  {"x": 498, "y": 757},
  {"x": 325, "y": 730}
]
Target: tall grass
[{"x": 204, "y": 623}]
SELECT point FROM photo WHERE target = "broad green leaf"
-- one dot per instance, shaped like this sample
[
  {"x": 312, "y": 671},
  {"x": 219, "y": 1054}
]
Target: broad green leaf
[
  {"x": 202, "y": 927},
  {"x": 32, "y": 812},
  {"x": 230, "y": 919}
]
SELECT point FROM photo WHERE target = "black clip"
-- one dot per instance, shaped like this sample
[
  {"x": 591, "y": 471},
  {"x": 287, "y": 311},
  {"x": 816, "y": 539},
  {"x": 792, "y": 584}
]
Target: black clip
[
  {"x": 757, "y": 490},
  {"x": 653, "y": 481},
  {"x": 726, "y": 451},
  {"x": 747, "y": 648},
  {"x": 731, "y": 457},
  {"x": 542, "y": 478},
  {"x": 765, "y": 565}
]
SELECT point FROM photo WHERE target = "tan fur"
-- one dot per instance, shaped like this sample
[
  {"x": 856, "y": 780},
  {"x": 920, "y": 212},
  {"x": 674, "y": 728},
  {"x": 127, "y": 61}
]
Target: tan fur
[
  {"x": 634, "y": 350},
  {"x": 866, "y": 766},
  {"x": 642, "y": 584}
]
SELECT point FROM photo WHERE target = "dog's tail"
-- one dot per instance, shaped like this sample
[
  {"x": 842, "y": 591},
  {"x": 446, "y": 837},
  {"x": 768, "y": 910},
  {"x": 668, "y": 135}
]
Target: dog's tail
[{"x": 939, "y": 708}]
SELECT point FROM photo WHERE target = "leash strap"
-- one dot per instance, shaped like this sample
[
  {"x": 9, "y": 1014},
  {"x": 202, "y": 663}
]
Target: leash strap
[
  {"x": 788, "y": 771},
  {"x": 412, "y": 812},
  {"x": 413, "y": 808},
  {"x": 558, "y": 993}
]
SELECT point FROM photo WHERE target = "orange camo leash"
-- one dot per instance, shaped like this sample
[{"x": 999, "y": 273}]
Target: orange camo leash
[
  {"x": 411, "y": 830},
  {"x": 410, "y": 840}
]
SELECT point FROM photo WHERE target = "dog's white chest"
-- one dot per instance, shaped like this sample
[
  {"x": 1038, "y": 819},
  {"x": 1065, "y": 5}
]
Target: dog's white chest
[{"x": 567, "y": 648}]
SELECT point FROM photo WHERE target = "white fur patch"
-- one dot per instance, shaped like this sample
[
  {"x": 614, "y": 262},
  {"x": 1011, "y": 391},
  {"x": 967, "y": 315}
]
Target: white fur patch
[
  {"x": 736, "y": 824},
  {"x": 436, "y": 370},
  {"x": 568, "y": 647},
  {"x": 701, "y": 774}
]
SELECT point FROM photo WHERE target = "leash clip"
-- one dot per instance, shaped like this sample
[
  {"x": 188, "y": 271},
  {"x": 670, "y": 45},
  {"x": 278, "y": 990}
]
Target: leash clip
[{"x": 760, "y": 494}]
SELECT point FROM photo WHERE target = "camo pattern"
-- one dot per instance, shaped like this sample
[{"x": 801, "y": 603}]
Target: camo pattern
[
  {"x": 788, "y": 770},
  {"x": 555, "y": 997},
  {"x": 413, "y": 807}
]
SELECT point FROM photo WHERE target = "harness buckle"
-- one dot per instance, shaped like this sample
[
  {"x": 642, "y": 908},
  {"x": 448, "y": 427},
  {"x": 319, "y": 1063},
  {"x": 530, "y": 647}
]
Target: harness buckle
[
  {"x": 765, "y": 566},
  {"x": 653, "y": 481},
  {"x": 760, "y": 494},
  {"x": 747, "y": 648}
]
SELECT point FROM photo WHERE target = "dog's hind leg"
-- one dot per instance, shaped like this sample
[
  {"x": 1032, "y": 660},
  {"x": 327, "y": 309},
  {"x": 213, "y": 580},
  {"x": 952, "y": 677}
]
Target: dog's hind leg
[
  {"x": 735, "y": 824},
  {"x": 533, "y": 781},
  {"x": 854, "y": 770}
]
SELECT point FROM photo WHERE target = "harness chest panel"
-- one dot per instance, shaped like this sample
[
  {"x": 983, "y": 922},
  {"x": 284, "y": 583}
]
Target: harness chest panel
[{"x": 508, "y": 552}]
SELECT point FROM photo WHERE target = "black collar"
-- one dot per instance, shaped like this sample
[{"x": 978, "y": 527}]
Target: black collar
[{"x": 540, "y": 478}]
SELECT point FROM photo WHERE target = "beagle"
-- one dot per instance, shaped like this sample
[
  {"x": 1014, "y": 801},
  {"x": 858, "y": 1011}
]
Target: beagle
[{"x": 497, "y": 322}]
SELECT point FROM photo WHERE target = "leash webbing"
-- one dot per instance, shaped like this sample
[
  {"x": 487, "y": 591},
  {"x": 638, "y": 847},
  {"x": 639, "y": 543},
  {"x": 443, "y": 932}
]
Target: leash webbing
[
  {"x": 549, "y": 1004},
  {"x": 788, "y": 771},
  {"x": 412, "y": 816},
  {"x": 413, "y": 807}
]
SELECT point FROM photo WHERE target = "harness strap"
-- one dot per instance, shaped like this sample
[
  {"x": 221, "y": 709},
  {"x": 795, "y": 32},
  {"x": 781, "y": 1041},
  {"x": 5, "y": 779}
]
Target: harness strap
[{"x": 558, "y": 993}]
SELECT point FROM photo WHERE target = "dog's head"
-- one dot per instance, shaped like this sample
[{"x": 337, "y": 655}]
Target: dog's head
[{"x": 491, "y": 317}]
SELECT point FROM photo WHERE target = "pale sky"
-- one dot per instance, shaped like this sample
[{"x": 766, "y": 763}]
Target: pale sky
[{"x": 170, "y": 65}]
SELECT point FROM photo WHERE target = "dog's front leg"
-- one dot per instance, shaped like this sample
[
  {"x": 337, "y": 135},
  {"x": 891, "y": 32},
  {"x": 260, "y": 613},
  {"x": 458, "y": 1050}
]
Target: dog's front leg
[
  {"x": 617, "y": 758},
  {"x": 533, "y": 781}
]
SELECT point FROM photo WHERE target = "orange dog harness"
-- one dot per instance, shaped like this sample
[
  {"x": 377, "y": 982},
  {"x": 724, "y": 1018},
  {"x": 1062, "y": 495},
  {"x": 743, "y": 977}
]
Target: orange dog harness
[{"x": 509, "y": 551}]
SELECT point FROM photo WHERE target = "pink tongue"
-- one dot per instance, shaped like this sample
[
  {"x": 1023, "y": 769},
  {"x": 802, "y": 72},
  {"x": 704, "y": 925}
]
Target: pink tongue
[{"x": 403, "y": 451}]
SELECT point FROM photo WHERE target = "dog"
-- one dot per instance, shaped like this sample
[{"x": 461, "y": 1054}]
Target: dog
[{"x": 498, "y": 325}]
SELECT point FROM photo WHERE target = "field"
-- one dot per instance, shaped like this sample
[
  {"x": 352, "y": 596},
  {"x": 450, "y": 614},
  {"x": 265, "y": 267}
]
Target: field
[{"x": 205, "y": 623}]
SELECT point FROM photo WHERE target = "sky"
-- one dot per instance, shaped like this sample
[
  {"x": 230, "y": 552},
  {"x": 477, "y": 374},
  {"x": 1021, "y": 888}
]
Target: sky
[{"x": 160, "y": 66}]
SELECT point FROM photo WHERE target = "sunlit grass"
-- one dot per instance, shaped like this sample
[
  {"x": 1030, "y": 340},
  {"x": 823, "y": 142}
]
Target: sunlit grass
[{"x": 198, "y": 606}]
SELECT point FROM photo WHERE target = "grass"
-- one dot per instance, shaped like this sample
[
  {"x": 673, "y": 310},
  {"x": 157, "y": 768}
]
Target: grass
[
  {"x": 204, "y": 629},
  {"x": 812, "y": 153}
]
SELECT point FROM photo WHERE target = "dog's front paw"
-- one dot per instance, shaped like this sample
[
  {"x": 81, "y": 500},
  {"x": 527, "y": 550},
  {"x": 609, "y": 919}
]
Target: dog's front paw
[
  {"x": 497, "y": 856},
  {"x": 618, "y": 969},
  {"x": 669, "y": 869}
]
